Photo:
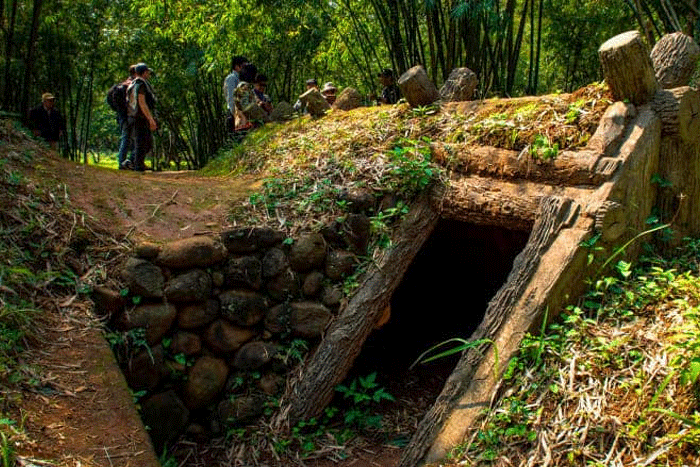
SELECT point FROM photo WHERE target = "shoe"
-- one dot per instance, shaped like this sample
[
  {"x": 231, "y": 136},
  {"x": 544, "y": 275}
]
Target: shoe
[{"x": 126, "y": 165}]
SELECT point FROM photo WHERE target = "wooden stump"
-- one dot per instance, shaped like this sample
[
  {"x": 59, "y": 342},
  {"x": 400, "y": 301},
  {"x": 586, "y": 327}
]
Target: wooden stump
[
  {"x": 417, "y": 88},
  {"x": 459, "y": 86},
  {"x": 679, "y": 110},
  {"x": 675, "y": 58},
  {"x": 315, "y": 103},
  {"x": 348, "y": 99},
  {"x": 627, "y": 68}
]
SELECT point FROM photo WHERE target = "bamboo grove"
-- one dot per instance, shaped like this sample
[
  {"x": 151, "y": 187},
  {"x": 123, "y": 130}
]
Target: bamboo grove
[{"x": 78, "y": 48}]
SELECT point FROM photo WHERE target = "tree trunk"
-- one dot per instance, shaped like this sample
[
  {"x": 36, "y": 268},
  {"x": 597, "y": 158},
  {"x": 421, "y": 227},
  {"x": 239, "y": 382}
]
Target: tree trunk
[
  {"x": 675, "y": 58},
  {"x": 679, "y": 109},
  {"x": 31, "y": 48},
  {"x": 627, "y": 68}
]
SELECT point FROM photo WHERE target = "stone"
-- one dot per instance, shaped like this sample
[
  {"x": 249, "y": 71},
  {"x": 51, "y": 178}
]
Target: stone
[
  {"x": 143, "y": 278},
  {"x": 193, "y": 252},
  {"x": 312, "y": 284},
  {"x": 241, "y": 410},
  {"x": 192, "y": 286},
  {"x": 108, "y": 303},
  {"x": 224, "y": 338},
  {"x": 332, "y": 295},
  {"x": 166, "y": 417},
  {"x": 243, "y": 271},
  {"x": 348, "y": 99},
  {"x": 156, "y": 318},
  {"x": 242, "y": 241},
  {"x": 308, "y": 319},
  {"x": 146, "y": 369},
  {"x": 357, "y": 231},
  {"x": 205, "y": 381},
  {"x": 243, "y": 307},
  {"x": 307, "y": 252},
  {"x": 271, "y": 384},
  {"x": 277, "y": 319},
  {"x": 187, "y": 343},
  {"x": 417, "y": 88},
  {"x": 340, "y": 263},
  {"x": 334, "y": 235},
  {"x": 254, "y": 355},
  {"x": 274, "y": 262},
  {"x": 460, "y": 85},
  {"x": 198, "y": 314},
  {"x": 359, "y": 200},
  {"x": 283, "y": 286},
  {"x": 147, "y": 250}
]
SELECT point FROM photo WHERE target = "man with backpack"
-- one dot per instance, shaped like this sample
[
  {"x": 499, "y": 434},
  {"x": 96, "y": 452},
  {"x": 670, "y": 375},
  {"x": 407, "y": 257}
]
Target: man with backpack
[
  {"x": 141, "y": 101},
  {"x": 116, "y": 98}
]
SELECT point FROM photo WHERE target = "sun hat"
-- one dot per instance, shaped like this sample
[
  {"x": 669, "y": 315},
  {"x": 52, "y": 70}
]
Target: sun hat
[
  {"x": 47, "y": 96},
  {"x": 329, "y": 87},
  {"x": 141, "y": 68}
]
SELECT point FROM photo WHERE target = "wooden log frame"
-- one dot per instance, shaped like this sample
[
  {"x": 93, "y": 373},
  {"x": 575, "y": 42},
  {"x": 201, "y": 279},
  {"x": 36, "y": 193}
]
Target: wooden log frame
[
  {"x": 627, "y": 68},
  {"x": 679, "y": 109},
  {"x": 675, "y": 58},
  {"x": 313, "y": 389}
]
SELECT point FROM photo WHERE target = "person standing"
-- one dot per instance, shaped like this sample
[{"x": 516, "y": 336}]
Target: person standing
[
  {"x": 141, "y": 102},
  {"x": 47, "y": 121},
  {"x": 125, "y": 141},
  {"x": 230, "y": 84},
  {"x": 390, "y": 93}
]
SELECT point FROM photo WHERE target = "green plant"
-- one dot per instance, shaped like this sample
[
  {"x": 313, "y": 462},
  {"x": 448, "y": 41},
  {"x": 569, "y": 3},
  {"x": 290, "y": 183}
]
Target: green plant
[
  {"x": 363, "y": 393},
  {"x": 541, "y": 148}
]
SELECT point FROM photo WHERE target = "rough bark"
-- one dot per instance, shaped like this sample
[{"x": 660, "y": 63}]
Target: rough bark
[
  {"x": 568, "y": 168},
  {"x": 675, "y": 58},
  {"x": 627, "y": 68},
  {"x": 554, "y": 214},
  {"x": 335, "y": 355},
  {"x": 679, "y": 110},
  {"x": 417, "y": 88}
]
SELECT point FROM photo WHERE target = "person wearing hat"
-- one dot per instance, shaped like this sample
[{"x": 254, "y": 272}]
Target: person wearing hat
[
  {"x": 47, "y": 121},
  {"x": 141, "y": 102},
  {"x": 328, "y": 92},
  {"x": 391, "y": 93}
]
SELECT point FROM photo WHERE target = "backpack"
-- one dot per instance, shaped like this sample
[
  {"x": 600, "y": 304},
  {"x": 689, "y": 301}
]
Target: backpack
[{"x": 116, "y": 98}]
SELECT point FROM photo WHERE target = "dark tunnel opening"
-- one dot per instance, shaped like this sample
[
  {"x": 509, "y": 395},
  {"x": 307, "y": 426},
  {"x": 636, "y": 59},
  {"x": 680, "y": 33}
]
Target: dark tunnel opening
[{"x": 443, "y": 295}]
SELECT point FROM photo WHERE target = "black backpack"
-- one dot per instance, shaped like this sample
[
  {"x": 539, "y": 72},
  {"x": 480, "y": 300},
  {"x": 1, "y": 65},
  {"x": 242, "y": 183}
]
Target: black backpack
[{"x": 116, "y": 98}]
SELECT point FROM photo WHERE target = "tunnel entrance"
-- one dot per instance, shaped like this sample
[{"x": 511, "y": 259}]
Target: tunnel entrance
[{"x": 444, "y": 294}]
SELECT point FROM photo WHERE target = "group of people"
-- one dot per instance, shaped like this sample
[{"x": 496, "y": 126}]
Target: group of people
[
  {"x": 246, "y": 99},
  {"x": 136, "y": 118}
]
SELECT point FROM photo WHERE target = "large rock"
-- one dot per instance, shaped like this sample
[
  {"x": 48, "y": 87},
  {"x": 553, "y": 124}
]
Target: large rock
[
  {"x": 309, "y": 319},
  {"x": 460, "y": 86},
  {"x": 282, "y": 112},
  {"x": 143, "y": 278},
  {"x": 274, "y": 262},
  {"x": 277, "y": 319},
  {"x": 357, "y": 232},
  {"x": 224, "y": 338},
  {"x": 307, "y": 252},
  {"x": 205, "y": 381},
  {"x": 193, "y": 252},
  {"x": 312, "y": 284},
  {"x": 254, "y": 355},
  {"x": 166, "y": 417},
  {"x": 348, "y": 99},
  {"x": 359, "y": 200},
  {"x": 242, "y": 307},
  {"x": 192, "y": 286},
  {"x": 198, "y": 314},
  {"x": 340, "y": 263},
  {"x": 108, "y": 303},
  {"x": 156, "y": 318},
  {"x": 417, "y": 88},
  {"x": 283, "y": 286},
  {"x": 187, "y": 343},
  {"x": 241, "y": 410},
  {"x": 332, "y": 295},
  {"x": 243, "y": 271},
  {"x": 241, "y": 241},
  {"x": 146, "y": 369}
]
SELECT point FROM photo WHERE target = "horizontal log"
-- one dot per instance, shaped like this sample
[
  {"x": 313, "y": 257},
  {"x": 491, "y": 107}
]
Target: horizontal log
[{"x": 571, "y": 168}]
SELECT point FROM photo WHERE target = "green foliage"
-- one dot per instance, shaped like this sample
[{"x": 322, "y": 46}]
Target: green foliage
[
  {"x": 543, "y": 149},
  {"x": 363, "y": 393}
]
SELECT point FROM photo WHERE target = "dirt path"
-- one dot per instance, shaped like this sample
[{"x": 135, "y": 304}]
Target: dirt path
[{"x": 154, "y": 206}]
